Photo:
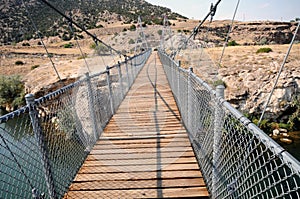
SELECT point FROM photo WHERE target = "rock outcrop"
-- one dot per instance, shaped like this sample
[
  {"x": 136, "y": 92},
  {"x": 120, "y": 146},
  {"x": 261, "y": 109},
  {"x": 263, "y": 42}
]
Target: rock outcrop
[
  {"x": 249, "y": 33},
  {"x": 249, "y": 89}
]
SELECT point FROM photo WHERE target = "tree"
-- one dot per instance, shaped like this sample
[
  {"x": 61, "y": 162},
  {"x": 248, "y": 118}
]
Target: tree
[
  {"x": 132, "y": 27},
  {"x": 159, "y": 32},
  {"x": 294, "y": 119},
  {"x": 11, "y": 92},
  {"x": 100, "y": 49}
]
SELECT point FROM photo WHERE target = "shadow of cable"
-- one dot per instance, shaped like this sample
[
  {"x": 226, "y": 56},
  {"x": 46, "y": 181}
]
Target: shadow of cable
[
  {"x": 157, "y": 129},
  {"x": 158, "y": 150}
]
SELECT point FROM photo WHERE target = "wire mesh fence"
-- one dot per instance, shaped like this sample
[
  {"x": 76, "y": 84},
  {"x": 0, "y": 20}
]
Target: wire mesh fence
[
  {"x": 236, "y": 158},
  {"x": 43, "y": 145}
]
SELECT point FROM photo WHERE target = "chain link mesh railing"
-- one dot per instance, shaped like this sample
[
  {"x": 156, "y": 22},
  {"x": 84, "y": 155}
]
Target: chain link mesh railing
[
  {"x": 43, "y": 145},
  {"x": 236, "y": 158}
]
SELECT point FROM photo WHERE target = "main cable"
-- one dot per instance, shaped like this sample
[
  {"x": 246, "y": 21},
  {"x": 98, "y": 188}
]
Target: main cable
[
  {"x": 211, "y": 13},
  {"x": 82, "y": 28},
  {"x": 279, "y": 73},
  {"x": 75, "y": 38},
  {"x": 229, "y": 31},
  {"x": 42, "y": 42}
]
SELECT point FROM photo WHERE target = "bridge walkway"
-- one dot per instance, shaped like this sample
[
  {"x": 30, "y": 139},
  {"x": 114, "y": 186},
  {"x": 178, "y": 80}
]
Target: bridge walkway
[{"x": 144, "y": 152}]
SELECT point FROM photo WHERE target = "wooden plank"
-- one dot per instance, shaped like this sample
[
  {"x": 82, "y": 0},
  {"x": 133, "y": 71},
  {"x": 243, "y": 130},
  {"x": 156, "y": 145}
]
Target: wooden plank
[
  {"x": 144, "y": 145},
  {"x": 130, "y": 156},
  {"x": 143, "y": 141},
  {"x": 141, "y": 193},
  {"x": 135, "y": 168},
  {"x": 138, "y": 134},
  {"x": 95, "y": 162},
  {"x": 138, "y": 184},
  {"x": 140, "y": 175},
  {"x": 139, "y": 150},
  {"x": 144, "y": 151}
]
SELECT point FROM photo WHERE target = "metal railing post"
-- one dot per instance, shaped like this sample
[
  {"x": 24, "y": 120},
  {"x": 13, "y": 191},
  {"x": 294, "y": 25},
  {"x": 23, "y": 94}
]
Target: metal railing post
[
  {"x": 92, "y": 106},
  {"x": 134, "y": 66},
  {"x": 217, "y": 136},
  {"x": 171, "y": 67},
  {"x": 38, "y": 133},
  {"x": 189, "y": 98},
  {"x": 131, "y": 71},
  {"x": 178, "y": 82},
  {"x": 110, "y": 91},
  {"x": 127, "y": 72},
  {"x": 120, "y": 80}
]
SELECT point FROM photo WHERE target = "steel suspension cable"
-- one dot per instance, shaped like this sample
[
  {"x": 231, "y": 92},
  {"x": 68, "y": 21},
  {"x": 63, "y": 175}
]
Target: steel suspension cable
[
  {"x": 196, "y": 29},
  {"x": 42, "y": 42},
  {"x": 82, "y": 28},
  {"x": 15, "y": 159},
  {"x": 229, "y": 31},
  {"x": 77, "y": 43},
  {"x": 279, "y": 73}
]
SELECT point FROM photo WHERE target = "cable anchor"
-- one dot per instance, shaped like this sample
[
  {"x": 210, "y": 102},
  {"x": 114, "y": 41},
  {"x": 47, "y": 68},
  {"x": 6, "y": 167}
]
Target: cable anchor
[{"x": 213, "y": 10}]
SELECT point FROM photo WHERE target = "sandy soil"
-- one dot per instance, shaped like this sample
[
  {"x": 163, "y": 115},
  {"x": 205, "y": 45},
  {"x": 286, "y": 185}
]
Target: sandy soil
[{"x": 37, "y": 71}]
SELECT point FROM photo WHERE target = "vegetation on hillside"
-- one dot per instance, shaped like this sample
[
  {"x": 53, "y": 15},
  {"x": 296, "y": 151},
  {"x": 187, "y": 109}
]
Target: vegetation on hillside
[
  {"x": 16, "y": 26},
  {"x": 264, "y": 50},
  {"x": 11, "y": 92}
]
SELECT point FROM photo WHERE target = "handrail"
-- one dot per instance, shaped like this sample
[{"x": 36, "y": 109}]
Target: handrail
[
  {"x": 46, "y": 141},
  {"x": 237, "y": 159}
]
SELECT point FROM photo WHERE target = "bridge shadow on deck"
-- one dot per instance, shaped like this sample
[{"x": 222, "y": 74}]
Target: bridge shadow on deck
[{"x": 144, "y": 151}]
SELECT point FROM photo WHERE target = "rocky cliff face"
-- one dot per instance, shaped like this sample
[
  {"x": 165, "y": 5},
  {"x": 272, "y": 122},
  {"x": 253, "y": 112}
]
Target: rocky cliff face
[
  {"x": 250, "y": 76},
  {"x": 249, "y": 89},
  {"x": 249, "y": 33}
]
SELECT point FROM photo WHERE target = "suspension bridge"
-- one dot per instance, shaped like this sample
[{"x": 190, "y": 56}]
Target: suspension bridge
[{"x": 143, "y": 128}]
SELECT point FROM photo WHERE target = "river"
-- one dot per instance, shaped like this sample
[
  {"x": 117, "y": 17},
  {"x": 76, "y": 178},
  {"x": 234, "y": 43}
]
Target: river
[
  {"x": 294, "y": 147},
  {"x": 66, "y": 156},
  {"x": 20, "y": 160}
]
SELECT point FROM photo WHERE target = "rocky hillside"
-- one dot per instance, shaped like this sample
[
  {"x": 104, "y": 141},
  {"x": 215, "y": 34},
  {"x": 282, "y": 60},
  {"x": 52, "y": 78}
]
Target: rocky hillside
[
  {"x": 249, "y": 33},
  {"x": 15, "y": 24},
  {"x": 248, "y": 73}
]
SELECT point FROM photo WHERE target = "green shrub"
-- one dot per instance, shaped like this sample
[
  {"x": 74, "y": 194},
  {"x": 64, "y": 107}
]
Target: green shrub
[
  {"x": 264, "y": 50},
  {"x": 69, "y": 45},
  {"x": 131, "y": 41},
  {"x": 132, "y": 27},
  {"x": 93, "y": 46},
  {"x": 34, "y": 67},
  {"x": 11, "y": 91},
  {"x": 219, "y": 82},
  {"x": 232, "y": 43},
  {"x": 159, "y": 32},
  {"x": 82, "y": 57},
  {"x": 25, "y": 44},
  {"x": 19, "y": 62},
  {"x": 294, "y": 119},
  {"x": 80, "y": 36},
  {"x": 100, "y": 48}
]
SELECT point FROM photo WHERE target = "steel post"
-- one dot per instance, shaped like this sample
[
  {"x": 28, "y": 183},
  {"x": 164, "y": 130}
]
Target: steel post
[
  {"x": 39, "y": 136},
  {"x": 110, "y": 92},
  {"x": 218, "y": 120},
  {"x": 92, "y": 107}
]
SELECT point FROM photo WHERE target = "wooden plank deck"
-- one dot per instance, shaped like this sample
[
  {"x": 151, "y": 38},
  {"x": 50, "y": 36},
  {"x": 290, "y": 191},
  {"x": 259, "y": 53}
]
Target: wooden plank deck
[{"x": 144, "y": 152}]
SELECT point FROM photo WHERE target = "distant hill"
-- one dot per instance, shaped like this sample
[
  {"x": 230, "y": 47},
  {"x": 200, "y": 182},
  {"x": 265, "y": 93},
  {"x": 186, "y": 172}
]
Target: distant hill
[{"x": 15, "y": 24}]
